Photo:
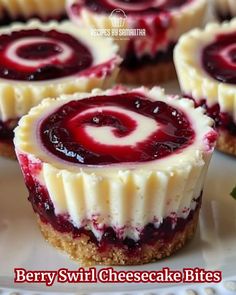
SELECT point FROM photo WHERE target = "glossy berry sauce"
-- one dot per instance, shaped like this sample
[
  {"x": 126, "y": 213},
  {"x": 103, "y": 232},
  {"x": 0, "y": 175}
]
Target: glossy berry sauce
[
  {"x": 79, "y": 60},
  {"x": 42, "y": 205},
  {"x": 64, "y": 134},
  {"x": 219, "y": 58},
  {"x": 146, "y": 6}
]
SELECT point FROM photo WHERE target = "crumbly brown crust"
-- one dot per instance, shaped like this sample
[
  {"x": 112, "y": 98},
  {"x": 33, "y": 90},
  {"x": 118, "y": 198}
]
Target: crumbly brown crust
[
  {"x": 7, "y": 150},
  {"x": 148, "y": 75},
  {"x": 87, "y": 253},
  {"x": 226, "y": 143}
]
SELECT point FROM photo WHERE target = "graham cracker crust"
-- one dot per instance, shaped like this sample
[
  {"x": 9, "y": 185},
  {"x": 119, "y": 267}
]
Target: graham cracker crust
[
  {"x": 148, "y": 75},
  {"x": 87, "y": 253},
  {"x": 7, "y": 150},
  {"x": 226, "y": 143}
]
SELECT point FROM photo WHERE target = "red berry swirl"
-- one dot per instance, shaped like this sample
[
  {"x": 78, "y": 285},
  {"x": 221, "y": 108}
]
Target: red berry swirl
[
  {"x": 34, "y": 55},
  {"x": 219, "y": 58},
  {"x": 132, "y": 6},
  {"x": 105, "y": 130}
]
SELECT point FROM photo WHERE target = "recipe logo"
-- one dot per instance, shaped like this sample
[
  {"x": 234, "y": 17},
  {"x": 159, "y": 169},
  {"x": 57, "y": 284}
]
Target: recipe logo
[
  {"x": 119, "y": 31},
  {"x": 109, "y": 275}
]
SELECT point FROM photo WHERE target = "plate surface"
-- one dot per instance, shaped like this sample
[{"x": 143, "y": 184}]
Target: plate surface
[{"x": 21, "y": 244}]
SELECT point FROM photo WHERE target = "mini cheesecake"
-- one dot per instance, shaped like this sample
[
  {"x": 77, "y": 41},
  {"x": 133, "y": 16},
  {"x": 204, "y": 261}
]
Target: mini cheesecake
[
  {"x": 116, "y": 177},
  {"x": 225, "y": 9},
  {"x": 46, "y": 60},
  {"x": 148, "y": 58},
  {"x": 18, "y": 10},
  {"x": 206, "y": 65}
]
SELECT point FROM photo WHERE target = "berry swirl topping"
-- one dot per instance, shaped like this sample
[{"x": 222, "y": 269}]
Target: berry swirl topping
[
  {"x": 36, "y": 55},
  {"x": 132, "y": 6},
  {"x": 110, "y": 129},
  {"x": 219, "y": 58}
]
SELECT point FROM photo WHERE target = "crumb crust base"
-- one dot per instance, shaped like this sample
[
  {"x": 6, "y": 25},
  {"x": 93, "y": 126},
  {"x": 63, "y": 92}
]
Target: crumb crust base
[
  {"x": 7, "y": 149},
  {"x": 148, "y": 75},
  {"x": 82, "y": 250},
  {"x": 226, "y": 142}
]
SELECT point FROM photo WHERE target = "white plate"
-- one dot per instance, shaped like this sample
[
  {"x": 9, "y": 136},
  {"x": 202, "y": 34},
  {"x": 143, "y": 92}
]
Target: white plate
[{"x": 214, "y": 246}]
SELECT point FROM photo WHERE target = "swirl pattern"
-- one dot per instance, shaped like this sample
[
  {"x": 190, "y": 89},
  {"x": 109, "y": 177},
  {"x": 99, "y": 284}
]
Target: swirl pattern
[
  {"x": 34, "y": 55},
  {"x": 219, "y": 58},
  {"x": 119, "y": 128}
]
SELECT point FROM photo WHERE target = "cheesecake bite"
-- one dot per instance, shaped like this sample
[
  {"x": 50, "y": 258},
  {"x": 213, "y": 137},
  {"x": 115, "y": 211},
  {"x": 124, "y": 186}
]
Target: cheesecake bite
[
  {"x": 45, "y": 60},
  {"x": 116, "y": 177},
  {"x": 206, "y": 66},
  {"x": 148, "y": 57}
]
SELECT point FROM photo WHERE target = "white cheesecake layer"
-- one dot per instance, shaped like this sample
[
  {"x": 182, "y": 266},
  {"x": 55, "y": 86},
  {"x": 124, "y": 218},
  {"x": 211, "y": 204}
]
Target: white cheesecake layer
[
  {"x": 126, "y": 196},
  {"x": 29, "y": 8}
]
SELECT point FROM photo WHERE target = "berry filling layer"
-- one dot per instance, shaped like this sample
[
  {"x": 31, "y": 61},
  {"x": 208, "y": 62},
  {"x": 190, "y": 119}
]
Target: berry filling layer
[
  {"x": 6, "y": 130},
  {"x": 133, "y": 62},
  {"x": 224, "y": 16},
  {"x": 131, "y": 6},
  {"x": 219, "y": 58},
  {"x": 121, "y": 128},
  {"x": 149, "y": 234},
  {"x": 35, "y": 55}
]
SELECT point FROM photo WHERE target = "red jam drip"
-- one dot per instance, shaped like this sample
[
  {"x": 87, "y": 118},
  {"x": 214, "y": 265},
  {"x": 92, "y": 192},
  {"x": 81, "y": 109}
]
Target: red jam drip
[
  {"x": 215, "y": 64},
  {"x": 43, "y": 206},
  {"x": 79, "y": 60},
  {"x": 149, "y": 6},
  {"x": 65, "y": 136}
]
